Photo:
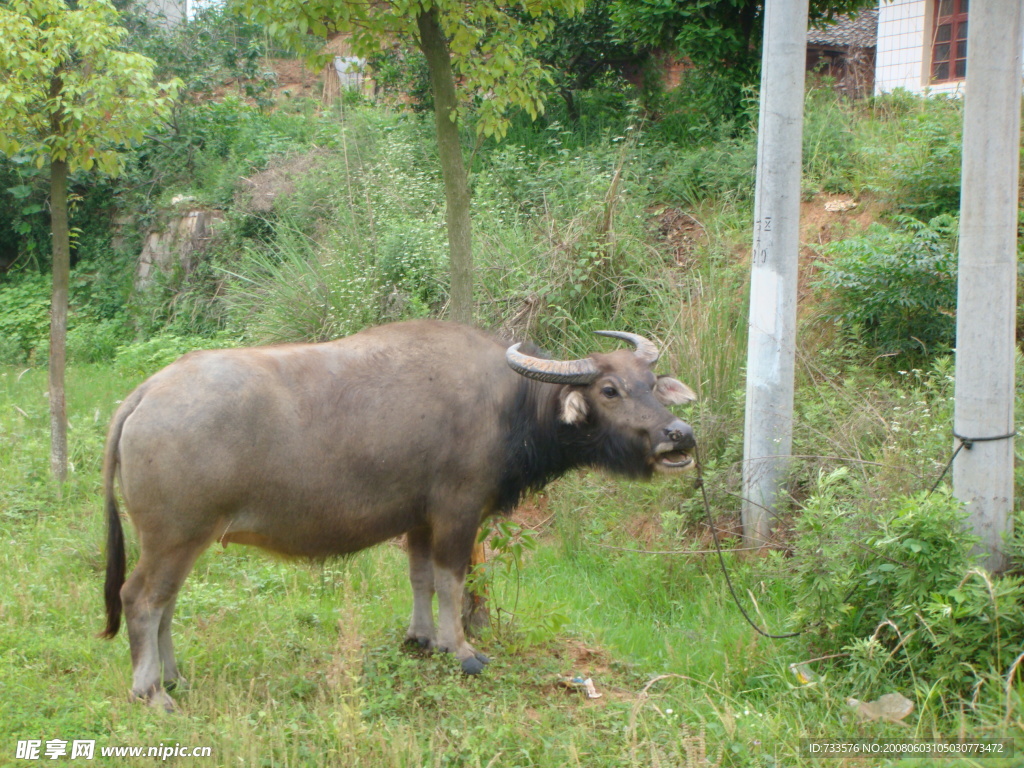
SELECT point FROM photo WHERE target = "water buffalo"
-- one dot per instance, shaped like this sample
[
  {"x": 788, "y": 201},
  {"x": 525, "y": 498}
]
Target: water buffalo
[{"x": 313, "y": 450}]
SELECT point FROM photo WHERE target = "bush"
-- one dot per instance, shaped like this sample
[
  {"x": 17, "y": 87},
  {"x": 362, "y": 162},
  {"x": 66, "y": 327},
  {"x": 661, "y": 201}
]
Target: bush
[
  {"x": 296, "y": 291},
  {"x": 413, "y": 261},
  {"x": 142, "y": 359},
  {"x": 724, "y": 170},
  {"x": 95, "y": 341},
  {"x": 898, "y": 590},
  {"x": 24, "y": 317},
  {"x": 921, "y": 174},
  {"x": 830, "y": 159},
  {"x": 707, "y": 106},
  {"x": 357, "y": 238},
  {"x": 896, "y": 290},
  {"x": 96, "y": 321},
  {"x": 566, "y": 247},
  {"x": 400, "y": 73},
  {"x": 216, "y": 49}
]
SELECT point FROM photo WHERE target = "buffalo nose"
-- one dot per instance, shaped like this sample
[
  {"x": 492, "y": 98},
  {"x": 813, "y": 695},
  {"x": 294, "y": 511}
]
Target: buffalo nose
[{"x": 681, "y": 435}]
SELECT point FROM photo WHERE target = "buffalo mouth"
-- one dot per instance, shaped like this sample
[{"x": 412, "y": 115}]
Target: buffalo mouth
[{"x": 670, "y": 458}]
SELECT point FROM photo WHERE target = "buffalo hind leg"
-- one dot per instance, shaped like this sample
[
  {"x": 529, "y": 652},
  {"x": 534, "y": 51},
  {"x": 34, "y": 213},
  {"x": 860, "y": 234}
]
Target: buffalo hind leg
[
  {"x": 148, "y": 595},
  {"x": 171, "y": 676},
  {"x": 421, "y": 576}
]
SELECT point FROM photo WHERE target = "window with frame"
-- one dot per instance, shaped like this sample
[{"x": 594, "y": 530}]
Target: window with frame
[{"x": 949, "y": 41}]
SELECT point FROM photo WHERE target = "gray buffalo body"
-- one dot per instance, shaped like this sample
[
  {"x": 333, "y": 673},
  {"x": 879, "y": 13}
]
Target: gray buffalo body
[{"x": 421, "y": 428}]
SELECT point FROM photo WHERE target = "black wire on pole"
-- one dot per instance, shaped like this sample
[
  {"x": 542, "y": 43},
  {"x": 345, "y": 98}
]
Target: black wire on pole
[
  {"x": 699, "y": 483},
  {"x": 968, "y": 443},
  {"x": 965, "y": 442}
]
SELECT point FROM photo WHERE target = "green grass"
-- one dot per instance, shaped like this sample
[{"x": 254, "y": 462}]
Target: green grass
[{"x": 300, "y": 664}]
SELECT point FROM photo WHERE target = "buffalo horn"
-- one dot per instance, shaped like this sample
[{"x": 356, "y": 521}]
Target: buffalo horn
[
  {"x": 645, "y": 350},
  {"x": 552, "y": 371}
]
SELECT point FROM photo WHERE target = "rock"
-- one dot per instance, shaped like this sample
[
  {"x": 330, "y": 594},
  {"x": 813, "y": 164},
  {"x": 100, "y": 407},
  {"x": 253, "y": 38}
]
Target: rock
[
  {"x": 176, "y": 246},
  {"x": 839, "y": 206},
  {"x": 892, "y": 707}
]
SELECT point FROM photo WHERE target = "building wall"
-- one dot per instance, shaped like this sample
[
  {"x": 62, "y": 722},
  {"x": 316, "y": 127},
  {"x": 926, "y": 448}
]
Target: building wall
[
  {"x": 170, "y": 12},
  {"x": 903, "y": 54}
]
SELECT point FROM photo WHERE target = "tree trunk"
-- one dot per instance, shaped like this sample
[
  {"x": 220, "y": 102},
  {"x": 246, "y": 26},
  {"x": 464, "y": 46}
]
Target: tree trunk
[
  {"x": 59, "y": 318},
  {"x": 460, "y": 249},
  {"x": 453, "y": 169},
  {"x": 572, "y": 109}
]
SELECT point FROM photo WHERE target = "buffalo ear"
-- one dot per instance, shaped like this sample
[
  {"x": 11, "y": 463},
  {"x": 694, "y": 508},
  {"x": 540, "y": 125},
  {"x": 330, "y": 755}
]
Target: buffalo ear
[
  {"x": 671, "y": 391},
  {"x": 574, "y": 406}
]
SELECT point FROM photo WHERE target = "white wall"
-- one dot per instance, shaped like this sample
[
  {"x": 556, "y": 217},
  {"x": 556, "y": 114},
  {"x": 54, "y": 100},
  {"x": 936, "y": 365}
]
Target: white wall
[
  {"x": 171, "y": 12},
  {"x": 903, "y": 55}
]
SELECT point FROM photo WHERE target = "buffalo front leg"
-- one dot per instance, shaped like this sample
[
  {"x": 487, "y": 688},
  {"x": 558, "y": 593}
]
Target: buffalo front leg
[
  {"x": 421, "y": 576},
  {"x": 450, "y": 635}
]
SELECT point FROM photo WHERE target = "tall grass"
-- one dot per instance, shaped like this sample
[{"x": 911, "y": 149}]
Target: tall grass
[
  {"x": 708, "y": 349},
  {"x": 295, "y": 290},
  {"x": 359, "y": 239}
]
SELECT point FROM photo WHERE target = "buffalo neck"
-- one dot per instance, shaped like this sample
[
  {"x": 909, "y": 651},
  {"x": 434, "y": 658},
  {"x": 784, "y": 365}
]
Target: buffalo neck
[{"x": 540, "y": 447}]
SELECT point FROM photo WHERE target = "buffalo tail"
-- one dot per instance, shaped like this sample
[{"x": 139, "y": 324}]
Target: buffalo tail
[{"x": 115, "y": 532}]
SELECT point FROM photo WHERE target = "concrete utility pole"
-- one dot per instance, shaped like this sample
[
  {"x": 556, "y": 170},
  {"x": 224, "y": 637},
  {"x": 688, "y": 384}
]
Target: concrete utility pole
[
  {"x": 771, "y": 347},
  {"x": 987, "y": 274}
]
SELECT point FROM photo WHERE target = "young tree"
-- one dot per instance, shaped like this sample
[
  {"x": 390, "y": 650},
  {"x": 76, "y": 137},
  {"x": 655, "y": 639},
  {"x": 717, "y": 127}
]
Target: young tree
[
  {"x": 479, "y": 55},
  {"x": 69, "y": 98},
  {"x": 584, "y": 47},
  {"x": 480, "y": 58}
]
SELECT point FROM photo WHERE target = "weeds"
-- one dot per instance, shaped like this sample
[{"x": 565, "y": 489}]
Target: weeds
[
  {"x": 923, "y": 174},
  {"x": 25, "y": 319}
]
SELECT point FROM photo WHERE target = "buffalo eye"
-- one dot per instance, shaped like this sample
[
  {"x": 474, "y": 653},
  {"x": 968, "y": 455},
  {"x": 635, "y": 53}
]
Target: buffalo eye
[{"x": 609, "y": 391}]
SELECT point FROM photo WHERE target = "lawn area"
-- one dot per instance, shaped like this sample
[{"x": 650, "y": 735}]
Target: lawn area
[{"x": 296, "y": 663}]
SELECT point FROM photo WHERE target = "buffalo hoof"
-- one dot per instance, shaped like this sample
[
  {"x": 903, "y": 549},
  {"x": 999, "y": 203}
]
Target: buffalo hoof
[
  {"x": 420, "y": 642},
  {"x": 474, "y": 665},
  {"x": 176, "y": 684},
  {"x": 158, "y": 700}
]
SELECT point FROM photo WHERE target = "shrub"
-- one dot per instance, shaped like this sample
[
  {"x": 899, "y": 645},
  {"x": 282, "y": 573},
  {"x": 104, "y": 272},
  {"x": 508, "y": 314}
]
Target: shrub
[
  {"x": 95, "y": 341},
  {"x": 723, "y": 170},
  {"x": 412, "y": 260},
  {"x": 217, "y": 49},
  {"x": 400, "y": 73},
  {"x": 707, "y": 106},
  {"x": 142, "y": 359},
  {"x": 830, "y": 158},
  {"x": 921, "y": 174},
  {"x": 566, "y": 247},
  {"x": 24, "y": 316},
  {"x": 897, "y": 589},
  {"x": 896, "y": 289}
]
